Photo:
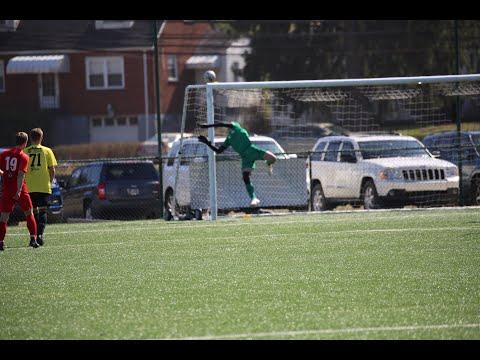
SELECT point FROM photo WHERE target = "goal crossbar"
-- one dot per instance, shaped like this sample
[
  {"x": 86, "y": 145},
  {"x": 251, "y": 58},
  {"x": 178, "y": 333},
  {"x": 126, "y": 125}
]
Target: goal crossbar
[{"x": 338, "y": 82}]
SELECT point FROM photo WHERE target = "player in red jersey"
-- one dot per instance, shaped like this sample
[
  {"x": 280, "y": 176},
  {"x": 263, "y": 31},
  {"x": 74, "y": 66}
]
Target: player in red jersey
[{"x": 13, "y": 166}]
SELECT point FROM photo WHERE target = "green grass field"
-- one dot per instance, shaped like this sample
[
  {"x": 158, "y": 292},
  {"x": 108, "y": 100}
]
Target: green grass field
[{"x": 362, "y": 275}]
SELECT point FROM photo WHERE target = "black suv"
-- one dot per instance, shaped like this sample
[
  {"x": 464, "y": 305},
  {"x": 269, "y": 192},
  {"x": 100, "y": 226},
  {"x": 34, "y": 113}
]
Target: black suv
[
  {"x": 112, "y": 190},
  {"x": 444, "y": 145}
]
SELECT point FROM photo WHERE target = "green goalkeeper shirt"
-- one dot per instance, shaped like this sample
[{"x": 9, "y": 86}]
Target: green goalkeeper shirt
[{"x": 237, "y": 138}]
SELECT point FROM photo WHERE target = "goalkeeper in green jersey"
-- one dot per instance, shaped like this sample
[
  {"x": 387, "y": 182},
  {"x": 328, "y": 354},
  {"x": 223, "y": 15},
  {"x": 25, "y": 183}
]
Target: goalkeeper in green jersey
[{"x": 239, "y": 140}]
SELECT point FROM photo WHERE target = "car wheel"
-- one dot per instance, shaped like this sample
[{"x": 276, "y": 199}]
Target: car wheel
[
  {"x": 53, "y": 219},
  {"x": 198, "y": 214},
  {"x": 169, "y": 207},
  {"x": 63, "y": 217},
  {"x": 87, "y": 211},
  {"x": 476, "y": 192},
  {"x": 318, "y": 200},
  {"x": 370, "y": 196}
]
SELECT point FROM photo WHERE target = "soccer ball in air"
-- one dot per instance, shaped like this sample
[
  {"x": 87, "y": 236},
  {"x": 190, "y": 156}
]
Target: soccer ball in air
[{"x": 209, "y": 76}]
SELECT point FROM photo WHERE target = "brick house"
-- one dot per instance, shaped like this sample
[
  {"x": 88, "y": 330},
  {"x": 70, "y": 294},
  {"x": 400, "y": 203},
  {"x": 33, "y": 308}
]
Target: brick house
[
  {"x": 95, "y": 78},
  {"x": 225, "y": 56}
]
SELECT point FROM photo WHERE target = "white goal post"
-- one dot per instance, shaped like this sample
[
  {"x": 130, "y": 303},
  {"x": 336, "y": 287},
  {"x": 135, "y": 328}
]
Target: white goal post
[{"x": 211, "y": 102}]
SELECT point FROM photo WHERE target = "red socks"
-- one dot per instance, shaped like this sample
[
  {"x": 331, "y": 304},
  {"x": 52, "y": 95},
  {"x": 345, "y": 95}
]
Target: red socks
[
  {"x": 3, "y": 230},
  {"x": 32, "y": 225}
]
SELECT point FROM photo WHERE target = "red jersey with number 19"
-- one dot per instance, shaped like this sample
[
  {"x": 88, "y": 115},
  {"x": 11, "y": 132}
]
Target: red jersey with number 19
[{"x": 11, "y": 162}]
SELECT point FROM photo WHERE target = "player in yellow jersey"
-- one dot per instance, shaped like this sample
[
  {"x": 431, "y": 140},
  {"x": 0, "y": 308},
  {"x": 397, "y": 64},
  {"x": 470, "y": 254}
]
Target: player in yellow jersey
[{"x": 41, "y": 171}]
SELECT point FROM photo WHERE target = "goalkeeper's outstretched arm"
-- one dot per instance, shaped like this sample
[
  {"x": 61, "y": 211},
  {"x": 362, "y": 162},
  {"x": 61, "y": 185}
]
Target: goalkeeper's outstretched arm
[
  {"x": 217, "y": 124},
  {"x": 207, "y": 142}
]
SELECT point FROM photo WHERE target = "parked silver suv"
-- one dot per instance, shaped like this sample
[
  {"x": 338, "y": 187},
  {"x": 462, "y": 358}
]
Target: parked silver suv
[
  {"x": 287, "y": 187},
  {"x": 379, "y": 171}
]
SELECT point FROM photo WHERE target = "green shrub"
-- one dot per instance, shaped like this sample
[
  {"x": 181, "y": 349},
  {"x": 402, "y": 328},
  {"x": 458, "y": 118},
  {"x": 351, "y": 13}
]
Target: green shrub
[{"x": 97, "y": 151}]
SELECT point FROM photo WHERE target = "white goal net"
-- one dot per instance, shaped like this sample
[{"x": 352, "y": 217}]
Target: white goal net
[{"x": 296, "y": 114}]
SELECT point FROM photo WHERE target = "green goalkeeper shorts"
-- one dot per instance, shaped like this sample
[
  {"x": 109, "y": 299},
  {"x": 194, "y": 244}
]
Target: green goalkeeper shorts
[{"x": 252, "y": 154}]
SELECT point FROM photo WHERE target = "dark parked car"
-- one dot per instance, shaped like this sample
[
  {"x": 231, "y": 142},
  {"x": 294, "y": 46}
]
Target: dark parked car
[
  {"x": 113, "y": 190},
  {"x": 444, "y": 145}
]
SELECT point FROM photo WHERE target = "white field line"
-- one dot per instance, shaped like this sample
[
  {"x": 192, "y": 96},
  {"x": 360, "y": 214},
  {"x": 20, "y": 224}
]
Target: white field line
[
  {"x": 196, "y": 225},
  {"x": 331, "y": 331},
  {"x": 237, "y": 237},
  {"x": 363, "y": 211}
]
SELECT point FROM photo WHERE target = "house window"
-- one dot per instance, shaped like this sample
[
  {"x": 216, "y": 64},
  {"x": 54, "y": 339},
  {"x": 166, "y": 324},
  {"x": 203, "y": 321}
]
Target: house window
[
  {"x": 48, "y": 85},
  {"x": 113, "y": 24},
  {"x": 105, "y": 73},
  {"x": 9, "y": 25},
  {"x": 97, "y": 122},
  {"x": 2, "y": 76},
  {"x": 133, "y": 121},
  {"x": 109, "y": 122},
  {"x": 172, "y": 68}
]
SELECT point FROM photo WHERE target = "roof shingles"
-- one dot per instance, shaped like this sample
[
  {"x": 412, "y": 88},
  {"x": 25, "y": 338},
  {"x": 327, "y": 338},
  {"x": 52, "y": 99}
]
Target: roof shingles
[{"x": 51, "y": 35}]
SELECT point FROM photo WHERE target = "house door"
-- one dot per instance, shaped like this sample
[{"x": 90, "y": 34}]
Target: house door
[{"x": 48, "y": 91}]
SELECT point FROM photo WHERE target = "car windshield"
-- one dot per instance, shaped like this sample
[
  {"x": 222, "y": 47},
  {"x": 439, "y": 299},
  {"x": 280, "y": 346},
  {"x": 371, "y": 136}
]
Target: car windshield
[
  {"x": 265, "y": 145},
  {"x": 131, "y": 172},
  {"x": 391, "y": 148},
  {"x": 268, "y": 146}
]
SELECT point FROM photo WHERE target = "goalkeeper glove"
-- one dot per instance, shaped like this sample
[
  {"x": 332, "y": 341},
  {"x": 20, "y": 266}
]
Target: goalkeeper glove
[{"x": 203, "y": 139}]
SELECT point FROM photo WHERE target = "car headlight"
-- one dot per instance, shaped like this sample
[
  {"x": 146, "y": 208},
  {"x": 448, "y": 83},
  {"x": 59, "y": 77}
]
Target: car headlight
[
  {"x": 452, "y": 171},
  {"x": 390, "y": 174}
]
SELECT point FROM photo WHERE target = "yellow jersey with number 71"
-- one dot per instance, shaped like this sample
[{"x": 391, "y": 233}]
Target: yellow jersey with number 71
[{"x": 38, "y": 176}]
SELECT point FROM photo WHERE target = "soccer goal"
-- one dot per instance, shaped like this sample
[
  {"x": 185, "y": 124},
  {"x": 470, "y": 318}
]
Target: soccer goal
[{"x": 296, "y": 114}]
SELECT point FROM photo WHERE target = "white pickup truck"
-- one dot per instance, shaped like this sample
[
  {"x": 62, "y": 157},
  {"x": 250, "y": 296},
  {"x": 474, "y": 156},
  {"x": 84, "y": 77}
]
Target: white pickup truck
[{"x": 379, "y": 171}]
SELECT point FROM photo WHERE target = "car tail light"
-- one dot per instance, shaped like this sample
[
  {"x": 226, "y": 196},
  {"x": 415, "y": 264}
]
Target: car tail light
[
  {"x": 102, "y": 191},
  {"x": 156, "y": 189}
]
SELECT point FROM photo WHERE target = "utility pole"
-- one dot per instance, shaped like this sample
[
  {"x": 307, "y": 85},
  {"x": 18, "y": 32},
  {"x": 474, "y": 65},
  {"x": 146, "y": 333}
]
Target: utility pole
[
  {"x": 458, "y": 119},
  {"x": 159, "y": 121}
]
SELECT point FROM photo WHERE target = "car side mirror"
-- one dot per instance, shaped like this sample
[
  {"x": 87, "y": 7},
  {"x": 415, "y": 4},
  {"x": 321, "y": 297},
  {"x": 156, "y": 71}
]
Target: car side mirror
[
  {"x": 436, "y": 154},
  {"x": 471, "y": 156}
]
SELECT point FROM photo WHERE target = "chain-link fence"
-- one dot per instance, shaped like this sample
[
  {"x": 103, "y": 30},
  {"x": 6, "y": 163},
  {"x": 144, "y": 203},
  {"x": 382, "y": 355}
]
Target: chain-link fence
[{"x": 334, "y": 176}]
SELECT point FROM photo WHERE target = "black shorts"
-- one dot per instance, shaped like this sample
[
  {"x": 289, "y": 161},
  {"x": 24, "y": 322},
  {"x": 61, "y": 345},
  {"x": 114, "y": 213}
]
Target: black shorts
[{"x": 39, "y": 199}]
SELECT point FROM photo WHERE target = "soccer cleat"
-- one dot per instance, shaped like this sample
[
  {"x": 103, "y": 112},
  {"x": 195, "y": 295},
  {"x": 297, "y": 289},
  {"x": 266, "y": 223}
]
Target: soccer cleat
[
  {"x": 1, "y": 246},
  {"x": 254, "y": 202},
  {"x": 40, "y": 240},
  {"x": 33, "y": 243}
]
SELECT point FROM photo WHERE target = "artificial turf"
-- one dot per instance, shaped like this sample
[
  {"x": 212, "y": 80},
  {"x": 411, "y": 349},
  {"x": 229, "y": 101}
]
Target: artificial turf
[{"x": 356, "y": 275}]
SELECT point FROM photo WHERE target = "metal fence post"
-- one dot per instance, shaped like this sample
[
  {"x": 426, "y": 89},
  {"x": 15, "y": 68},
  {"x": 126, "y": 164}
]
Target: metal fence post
[
  {"x": 159, "y": 122},
  {"x": 458, "y": 118}
]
